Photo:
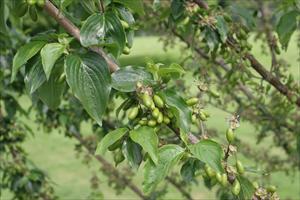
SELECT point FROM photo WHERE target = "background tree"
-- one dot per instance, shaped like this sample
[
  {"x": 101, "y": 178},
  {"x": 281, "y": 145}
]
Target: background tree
[{"x": 64, "y": 55}]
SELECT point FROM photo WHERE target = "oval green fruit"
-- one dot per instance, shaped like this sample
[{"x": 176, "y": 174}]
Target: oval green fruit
[
  {"x": 271, "y": 188},
  {"x": 219, "y": 177},
  {"x": 160, "y": 118},
  {"x": 194, "y": 118},
  {"x": 124, "y": 24},
  {"x": 142, "y": 122},
  {"x": 158, "y": 101},
  {"x": 155, "y": 113},
  {"x": 230, "y": 135},
  {"x": 240, "y": 167},
  {"x": 202, "y": 116},
  {"x": 192, "y": 101},
  {"x": 31, "y": 2},
  {"x": 151, "y": 123},
  {"x": 41, "y": 3},
  {"x": 255, "y": 185},
  {"x": 133, "y": 113},
  {"x": 147, "y": 100},
  {"x": 166, "y": 120},
  {"x": 236, "y": 188},
  {"x": 126, "y": 51},
  {"x": 209, "y": 171},
  {"x": 224, "y": 181}
]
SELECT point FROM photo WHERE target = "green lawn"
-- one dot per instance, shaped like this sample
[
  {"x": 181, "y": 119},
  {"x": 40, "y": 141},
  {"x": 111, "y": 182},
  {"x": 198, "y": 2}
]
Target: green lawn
[{"x": 55, "y": 154}]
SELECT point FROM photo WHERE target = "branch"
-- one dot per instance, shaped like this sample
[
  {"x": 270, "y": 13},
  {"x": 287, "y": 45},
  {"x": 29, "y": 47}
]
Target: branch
[
  {"x": 75, "y": 32},
  {"x": 202, "y": 4},
  {"x": 179, "y": 187},
  {"x": 112, "y": 169}
]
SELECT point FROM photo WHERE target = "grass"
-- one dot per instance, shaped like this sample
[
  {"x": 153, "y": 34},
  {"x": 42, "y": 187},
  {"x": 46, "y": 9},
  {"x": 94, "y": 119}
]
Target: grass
[{"x": 55, "y": 153}]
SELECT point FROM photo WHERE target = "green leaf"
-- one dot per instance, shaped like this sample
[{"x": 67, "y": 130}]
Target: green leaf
[
  {"x": 110, "y": 139},
  {"x": 52, "y": 90},
  {"x": 89, "y": 78},
  {"x": 179, "y": 108},
  {"x": 3, "y": 16},
  {"x": 286, "y": 26},
  {"x": 104, "y": 29},
  {"x": 174, "y": 70},
  {"x": 35, "y": 77},
  {"x": 89, "y": 6},
  {"x": 133, "y": 153},
  {"x": 125, "y": 79},
  {"x": 49, "y": 54},
  {"x": 24, "y": 54},
  {"x": 135, "y": 6},
  {"x": 189, "y": 169},
  {"x": 222, "y": 28},
  {"x": 168, "y": 156},
  {"x": 147, "y": 138},
  {"x": 177, "y": 8},
  {"x": 126, "y": 15},
  {"x": 245, "y": 15},
  {"x": 209, "y": 152},
  {"x": 247, "y": 188}
]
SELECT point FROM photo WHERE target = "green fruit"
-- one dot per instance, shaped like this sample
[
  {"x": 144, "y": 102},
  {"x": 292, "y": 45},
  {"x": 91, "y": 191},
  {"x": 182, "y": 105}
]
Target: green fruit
[
  {"x": 31, "y": 2},
  {"x": 255, "y": 185},
  {"x": 236, "y": 188},
  {"x": 192, "y": 101},
  {"x": 147, "y": 100},
  {"x": 158, "y": 101},
  {"x": 166, "y": 120},
  {"x": 126, "y": 51},
  {"x": 240, "y": 167},
  {"x": 215, "y": 93},
  {"x": 133, "y": 113},
  {"x": 230, "y": 135},
  {"x": 209, "y": 171},
  {"x": 33, "y": 13},
  {"x": 142, "y": 122},
  {"x": 160, "y": 118},
  {"x": 194, "y": 118},
  {"x": 271, "y": 188},
  {"x": 41, "y": 3},
  {"x": 170, "y": 114},
  {"x": 224, "y": 181},
  {"x": 21, "y": 11},
  {"x": 124, "y": 24},
  {"x": 155, "y": 113},
  {"x": 219, "y": 177},
  {"x": 151, "y": 123},
  {"x": 202, "y": 116}
]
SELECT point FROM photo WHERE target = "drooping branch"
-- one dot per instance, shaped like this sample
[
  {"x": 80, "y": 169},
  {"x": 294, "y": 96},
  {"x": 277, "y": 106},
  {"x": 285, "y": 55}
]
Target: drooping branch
[
  {"x": 114, "y": 172},
  {"x": 264, "y": 73}
]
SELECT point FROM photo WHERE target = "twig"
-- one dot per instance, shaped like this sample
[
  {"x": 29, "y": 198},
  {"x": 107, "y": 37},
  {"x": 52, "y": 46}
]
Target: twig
[
  {"x": 114, "y": 172},
  {"x": 179, "y": 187},
  {"x": 101, "y": 6},
  {"x": 202, "y": 4}
]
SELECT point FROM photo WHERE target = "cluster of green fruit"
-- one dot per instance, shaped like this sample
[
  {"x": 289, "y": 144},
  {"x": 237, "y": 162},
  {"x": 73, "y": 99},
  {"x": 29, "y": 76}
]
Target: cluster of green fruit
[
  {"x": 153, "y": 110},
  {"x": 30, "y": 6},
  {"x": 226, "y": 178}
]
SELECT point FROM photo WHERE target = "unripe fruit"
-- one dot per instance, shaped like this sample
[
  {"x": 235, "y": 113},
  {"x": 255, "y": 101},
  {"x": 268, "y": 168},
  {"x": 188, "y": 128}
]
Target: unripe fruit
[
  {"x": 202, "y": 116},
  {"x": 147, "y": 100},
  {"x": 160, "y": 118},
  {"x": 271, "y": 188},
  {"x": 31, "y": 2},
  {"x": 166, "y": 120},
  {"x": 240, "y": 167},
  {"x": 133, "y": 113},
  {"x": 151, "y": 123},
  {"x": 126, "y": 51},
  {"x": 41, "y": 3},
  {"x": 224, "y": 181},
  {"x": 236, "y": 188},
  {"x": 170, "y": 114},
  {"x": 194, "y": 119},
  {"x": 209, "y": 171},
  {"x": 158, "y": 101},
  {"x": 230, "y": 135},
  {"x": 124, "y": 24},
  {"x": 155, "y": 113},
  {"x": 219, "y": 177},
  {"x": 142, "y": 122},
  {"x": 255, "y": 185},
  {"x": 192, "y": 101}
]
